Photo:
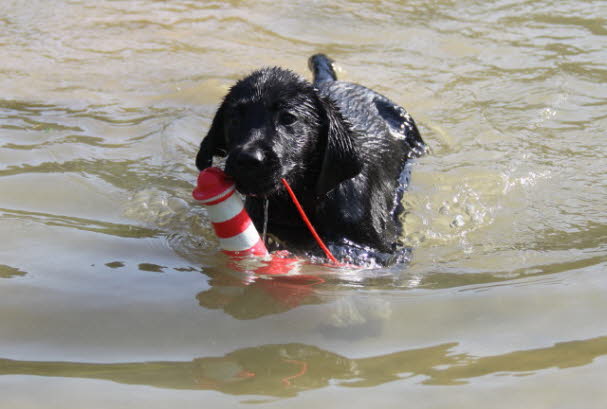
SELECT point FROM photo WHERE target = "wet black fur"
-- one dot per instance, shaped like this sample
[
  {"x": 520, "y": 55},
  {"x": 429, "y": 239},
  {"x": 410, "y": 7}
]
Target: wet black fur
[{"x": 341, "y": 146}]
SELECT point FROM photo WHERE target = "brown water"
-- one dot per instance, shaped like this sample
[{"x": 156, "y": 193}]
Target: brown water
[{"x": 112, "y": 294}]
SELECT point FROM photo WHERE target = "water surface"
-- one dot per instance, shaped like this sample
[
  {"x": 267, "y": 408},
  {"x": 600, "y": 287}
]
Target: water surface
[{"x": 112, "y": 291}]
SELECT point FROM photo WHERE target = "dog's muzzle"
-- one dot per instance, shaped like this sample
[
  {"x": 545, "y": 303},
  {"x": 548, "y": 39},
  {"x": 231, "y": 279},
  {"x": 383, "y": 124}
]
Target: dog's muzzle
[{"x": 255, "y": 171}]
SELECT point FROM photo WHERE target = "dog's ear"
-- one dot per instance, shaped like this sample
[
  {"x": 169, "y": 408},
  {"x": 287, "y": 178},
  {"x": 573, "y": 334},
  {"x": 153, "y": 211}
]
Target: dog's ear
[
  {"x": 341, "y": 158},
  {"x": 214, "y": 144}
]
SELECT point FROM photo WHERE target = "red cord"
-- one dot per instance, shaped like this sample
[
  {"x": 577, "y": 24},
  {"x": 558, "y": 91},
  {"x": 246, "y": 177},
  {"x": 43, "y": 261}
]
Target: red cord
[
  {"x": 302, "y": 371},
  {"x": 302, "y": 213}
]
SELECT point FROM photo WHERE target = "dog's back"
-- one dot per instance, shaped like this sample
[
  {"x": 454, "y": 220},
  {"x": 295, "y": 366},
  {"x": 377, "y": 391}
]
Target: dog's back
[
  {"x": 364, "y": 108},
  {"x": 388, "y": 137}
]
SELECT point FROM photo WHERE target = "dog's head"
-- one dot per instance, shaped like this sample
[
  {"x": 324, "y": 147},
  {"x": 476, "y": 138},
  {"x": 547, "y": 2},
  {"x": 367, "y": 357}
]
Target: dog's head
[{"x": 272, "y": 125}]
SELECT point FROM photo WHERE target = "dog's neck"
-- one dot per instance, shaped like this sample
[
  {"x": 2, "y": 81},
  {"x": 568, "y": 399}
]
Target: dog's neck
[{"x": 284, "y": 221}]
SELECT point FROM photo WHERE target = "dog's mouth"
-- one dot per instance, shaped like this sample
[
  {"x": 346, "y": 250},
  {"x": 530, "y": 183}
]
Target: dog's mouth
[
  {"x": 262, "y": 191},
  {"x": 257, "y": 187},
  {"x": 255, "y": 178}
]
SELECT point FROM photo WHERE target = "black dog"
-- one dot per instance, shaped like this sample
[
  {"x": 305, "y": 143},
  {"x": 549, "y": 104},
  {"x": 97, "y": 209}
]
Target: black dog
[{"x": 342, "y": 147}]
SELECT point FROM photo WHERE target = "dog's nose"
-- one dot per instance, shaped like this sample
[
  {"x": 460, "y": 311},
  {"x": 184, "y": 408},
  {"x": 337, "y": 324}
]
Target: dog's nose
[{"x": 250, "y": 158}]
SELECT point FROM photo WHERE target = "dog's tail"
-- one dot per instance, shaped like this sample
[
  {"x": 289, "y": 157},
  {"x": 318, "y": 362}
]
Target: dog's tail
[{"x": 322, "y": 68}]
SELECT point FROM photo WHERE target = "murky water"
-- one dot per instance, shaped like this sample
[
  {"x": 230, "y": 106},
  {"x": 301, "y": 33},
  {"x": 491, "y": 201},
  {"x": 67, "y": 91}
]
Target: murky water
[{"x": 112, "y": 292}]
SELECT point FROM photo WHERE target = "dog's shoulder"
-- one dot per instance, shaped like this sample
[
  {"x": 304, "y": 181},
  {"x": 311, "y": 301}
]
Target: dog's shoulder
[{"x": 374, "y": 116}]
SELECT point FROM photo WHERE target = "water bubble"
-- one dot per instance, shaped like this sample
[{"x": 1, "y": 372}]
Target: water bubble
[
  {"x": 458, "y": 221},
  {"x": 470, "y": 209},
  {"x": 177, "y": 205}
]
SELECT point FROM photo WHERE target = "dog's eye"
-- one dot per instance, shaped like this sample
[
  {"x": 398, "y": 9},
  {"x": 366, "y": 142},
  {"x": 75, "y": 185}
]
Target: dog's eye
[{"x": 286, "y": 118}]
